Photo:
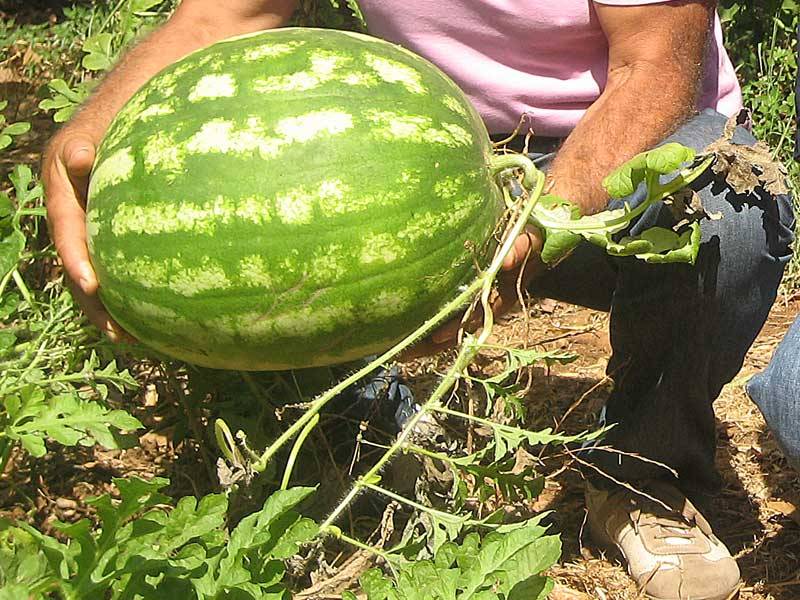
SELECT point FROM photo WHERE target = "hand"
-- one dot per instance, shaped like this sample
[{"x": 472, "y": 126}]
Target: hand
[
  {"x": 520, "y": 266},
  {"x": 65, "y": 169}
]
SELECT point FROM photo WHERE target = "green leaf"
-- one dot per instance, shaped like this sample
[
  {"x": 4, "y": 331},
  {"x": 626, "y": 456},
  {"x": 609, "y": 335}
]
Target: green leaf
[
  {"x": 624, "y": 180},
  {"x": 6, "y": 206},
  {"x": 275, "y": 532},
  {"x": 507, "y": 559},
  {"x": 61, "y": 87},
  {"x": 444, "y": 527},
  {"x": 11, "y": 248},
  {"x": 22, "y": 177},
  {"x": 7, "y": 341},
  {"x": 68, "y": 420},
  {"x": 8, "y": 305},
  {"x": 377, "y": 585},
  {"x": 668, "y": 158},
  {"x": 65, "y": 100},
  {"x": 424, "y": 581},
  {"x": 137, "y": 6},
  {"x": 55, "y": 103},
  {"x": 99, "y": 52},
  {"x": 16, "y": 128},
  {"x": 65, "y": 114},
  {"x": 533, "y": 588},
  {"x": 557, "y": 245},
  {"x": 660, "y": 245},
  {"x": 24, "y": 571},
  {"x": 5, "y": 141}
]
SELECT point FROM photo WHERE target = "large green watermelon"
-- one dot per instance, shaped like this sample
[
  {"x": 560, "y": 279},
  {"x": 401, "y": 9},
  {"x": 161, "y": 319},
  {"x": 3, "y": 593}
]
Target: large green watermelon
[{"x": 291, "y": 198}]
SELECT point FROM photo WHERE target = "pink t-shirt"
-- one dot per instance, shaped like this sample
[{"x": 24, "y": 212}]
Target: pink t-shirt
[{"x": 544, "y": 57}]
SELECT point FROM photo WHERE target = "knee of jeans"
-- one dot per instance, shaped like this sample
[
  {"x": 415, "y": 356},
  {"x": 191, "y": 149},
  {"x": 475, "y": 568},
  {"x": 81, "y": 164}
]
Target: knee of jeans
[{"x": 752, "y": 228}]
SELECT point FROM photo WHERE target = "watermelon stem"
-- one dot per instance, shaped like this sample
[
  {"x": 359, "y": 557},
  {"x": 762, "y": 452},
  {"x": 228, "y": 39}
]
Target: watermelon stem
[
  {"x": 504, "y": 162},
  {"x": 298, "y": 443},
  {"x": 533, "y": 180},
  {"x": 470, "y": 345}
]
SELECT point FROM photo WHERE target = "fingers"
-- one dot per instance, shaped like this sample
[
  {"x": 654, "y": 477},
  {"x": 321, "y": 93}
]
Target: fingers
[
  {"x": 67, "y": 221},
  {"x": 66, "y": 172},
  {"x": 444, "y": 337},
  {"x": 98, "y": 316},
  {"x": 528, "y": 242},
  {"x": 78, "y": 157}
]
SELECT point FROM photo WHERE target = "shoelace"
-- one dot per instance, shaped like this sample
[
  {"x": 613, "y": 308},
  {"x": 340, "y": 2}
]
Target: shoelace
[{"x": 680, "y": 526}]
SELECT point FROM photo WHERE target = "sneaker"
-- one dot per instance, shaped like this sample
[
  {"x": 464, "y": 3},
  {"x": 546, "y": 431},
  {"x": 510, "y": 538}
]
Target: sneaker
[{"x": 672, "y": 554}]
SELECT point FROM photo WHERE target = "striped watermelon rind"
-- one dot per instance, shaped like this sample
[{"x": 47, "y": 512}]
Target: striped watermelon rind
[{"x": 287, "y": 199}]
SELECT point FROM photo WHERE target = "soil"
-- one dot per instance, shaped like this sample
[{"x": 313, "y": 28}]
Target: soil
[{"x": 756, "y": 513}]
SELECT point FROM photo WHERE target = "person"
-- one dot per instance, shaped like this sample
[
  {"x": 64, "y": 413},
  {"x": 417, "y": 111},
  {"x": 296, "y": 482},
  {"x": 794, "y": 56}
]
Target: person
[
  {"x": 600, "y": 82},
  {"x": 776, "y": 390}
]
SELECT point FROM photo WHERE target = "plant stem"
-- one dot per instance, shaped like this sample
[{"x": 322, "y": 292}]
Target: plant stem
[
  {"x": 469, "y": 348},
  {"x": 5, "y": 453},
  {"x": 298, "y": 443},
  {"x": 466, "y": 353},
  {"x": 321, "y": 401},
  {"x": 407, "y": 501},
  {"x": 4, "y": 282},
  {"x": 657, "y": 193},
  {"x": 338, "y": 533}
]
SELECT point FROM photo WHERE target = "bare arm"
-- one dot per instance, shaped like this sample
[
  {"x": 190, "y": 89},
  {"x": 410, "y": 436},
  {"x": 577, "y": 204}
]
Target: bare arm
[
  {"x": 195, "y": 24},
  {"x": 655, "y": 67},
  {"x": 70, "y": 154}
]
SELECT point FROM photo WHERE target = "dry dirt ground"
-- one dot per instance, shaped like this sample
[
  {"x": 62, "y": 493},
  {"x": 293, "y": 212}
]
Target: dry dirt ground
[{"x": 757, "y": 512}]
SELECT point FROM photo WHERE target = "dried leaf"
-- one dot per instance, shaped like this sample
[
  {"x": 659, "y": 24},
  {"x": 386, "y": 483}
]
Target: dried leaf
[
  {"x": 747, "y": 168},
  {"x": 685, "y": 206}
]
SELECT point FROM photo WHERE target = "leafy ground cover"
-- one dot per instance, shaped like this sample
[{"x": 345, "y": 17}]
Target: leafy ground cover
[{"x": 97, "y": 445}]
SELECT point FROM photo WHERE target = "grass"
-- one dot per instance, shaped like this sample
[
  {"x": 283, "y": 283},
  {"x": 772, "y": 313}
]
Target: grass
[{"x": 762, "y": 43}]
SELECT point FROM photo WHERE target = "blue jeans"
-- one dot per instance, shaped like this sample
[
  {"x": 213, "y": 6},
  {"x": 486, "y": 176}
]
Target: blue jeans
[
  {"x": 680, "y": 332},
  {"x": 776, "y": 391}
]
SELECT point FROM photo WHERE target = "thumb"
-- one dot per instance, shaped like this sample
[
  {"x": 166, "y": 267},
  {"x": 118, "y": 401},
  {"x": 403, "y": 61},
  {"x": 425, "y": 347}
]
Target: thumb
[{"x": 78, "y": 155}]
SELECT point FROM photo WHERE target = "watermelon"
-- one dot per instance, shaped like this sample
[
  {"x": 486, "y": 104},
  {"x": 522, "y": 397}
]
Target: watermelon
[{"x": 290, "y": 198}]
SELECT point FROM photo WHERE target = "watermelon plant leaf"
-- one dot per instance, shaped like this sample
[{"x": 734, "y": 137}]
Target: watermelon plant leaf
[
  {"x": 24, "y": 571},
  {"x": 11, "y": 248},
  {"x": 6, "y": 207},
  {"x": 65, "y": 418},
  {"x": 624, "y": 180},
  {"x": 98, "y": 52},
  {"x": 557, "y": 245},
  {"x": 563, "y": 225},
  {"x": 8, "y": 305},
  {"x": 503, "y": 565},
  {"x": 668, "y": 158}
]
